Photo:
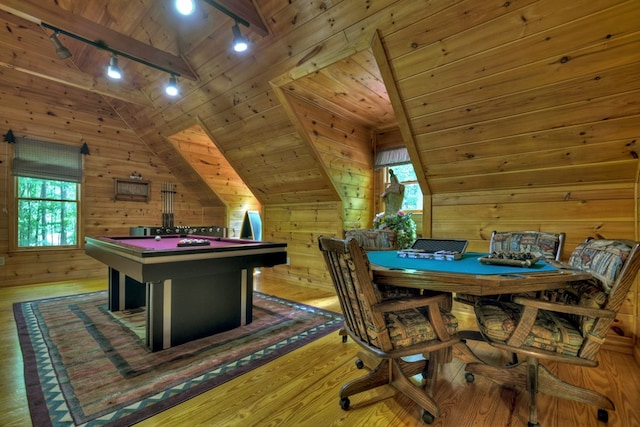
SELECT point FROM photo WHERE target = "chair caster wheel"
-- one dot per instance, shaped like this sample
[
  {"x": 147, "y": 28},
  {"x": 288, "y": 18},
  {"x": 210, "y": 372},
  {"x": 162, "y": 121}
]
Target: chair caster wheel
[
  {"x": 603, "y": 415},
  {"x": 427, "y": 417},
  {"x": 469, "y": 377},
  {"x": 359, "y": 364},
  {"x": 344, "y": 338},
  {"x": 344, "y": 403},
  {"x": 529, "y": 424}
]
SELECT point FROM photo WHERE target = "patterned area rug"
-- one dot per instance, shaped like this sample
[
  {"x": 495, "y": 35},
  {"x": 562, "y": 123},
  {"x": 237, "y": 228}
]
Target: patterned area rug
[{"x": 86, "y": 366}]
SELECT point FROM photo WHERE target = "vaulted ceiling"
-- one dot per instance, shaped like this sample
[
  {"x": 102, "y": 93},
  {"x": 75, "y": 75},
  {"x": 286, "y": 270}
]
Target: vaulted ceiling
[{"x": 487, "y": 95}]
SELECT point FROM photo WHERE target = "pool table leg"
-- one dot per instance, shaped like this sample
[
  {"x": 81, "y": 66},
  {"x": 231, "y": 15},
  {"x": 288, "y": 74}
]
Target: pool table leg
[
  {"x": 158, "y": 325},
  {"x": 182, "y": 310},
  {"x": 124, "y": 292}
]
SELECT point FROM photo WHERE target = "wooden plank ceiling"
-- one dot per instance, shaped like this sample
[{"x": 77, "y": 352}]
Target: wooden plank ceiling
[{"x": 482, "y": 114}]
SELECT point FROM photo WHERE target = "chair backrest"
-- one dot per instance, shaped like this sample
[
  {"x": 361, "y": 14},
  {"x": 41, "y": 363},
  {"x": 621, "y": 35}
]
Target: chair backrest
[
  {"x": 540, "y": 243},
  {"x": 374, "y": 240},
  {"x": 348, "y": 266},
  {"x": 614, "y": 265}
]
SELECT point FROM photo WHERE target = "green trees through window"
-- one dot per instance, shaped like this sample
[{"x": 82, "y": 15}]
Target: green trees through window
[{"x": 47, "y": 212}]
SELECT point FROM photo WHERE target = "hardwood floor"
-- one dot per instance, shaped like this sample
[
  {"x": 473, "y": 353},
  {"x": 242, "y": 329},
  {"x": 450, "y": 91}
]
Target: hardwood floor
[{"x": 301, "y": 388}]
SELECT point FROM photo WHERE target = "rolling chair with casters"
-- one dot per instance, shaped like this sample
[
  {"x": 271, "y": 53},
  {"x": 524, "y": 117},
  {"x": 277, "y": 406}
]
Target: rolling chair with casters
[
  {"x": 380, "y": 328},
  {"x": 569, "y": 330},
  {"x": 378, "y": 240},
  {"x": 545, "y": 245}
]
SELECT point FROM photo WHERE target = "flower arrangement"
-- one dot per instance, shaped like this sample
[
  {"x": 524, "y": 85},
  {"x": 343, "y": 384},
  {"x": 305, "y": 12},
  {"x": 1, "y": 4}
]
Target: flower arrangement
[{"x": 401, "y": 223}]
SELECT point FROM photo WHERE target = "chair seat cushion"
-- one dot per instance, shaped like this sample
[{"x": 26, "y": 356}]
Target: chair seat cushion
[
  {"x": 497, "y": 321},
  {"x": 412, "y": 326},
  {"x": 585, "y": 293}
]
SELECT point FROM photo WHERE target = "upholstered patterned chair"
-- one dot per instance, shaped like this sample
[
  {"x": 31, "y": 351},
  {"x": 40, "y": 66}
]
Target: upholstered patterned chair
[
  {"x": 389, "y": 329},
  {"x": 544, "y": 245},
  {"x": 379, "y": 240},
  {"x": 569, "y": 330}
]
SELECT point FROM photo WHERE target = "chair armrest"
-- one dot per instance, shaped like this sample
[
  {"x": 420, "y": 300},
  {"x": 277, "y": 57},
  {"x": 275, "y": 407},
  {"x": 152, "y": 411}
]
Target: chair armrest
[
  {"x": 409, "y": 302},
  {"x": 564, "y": 308}
]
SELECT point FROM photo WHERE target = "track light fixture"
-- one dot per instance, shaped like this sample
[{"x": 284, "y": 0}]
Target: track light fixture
[
  {"x": 172, "y": 88},
  {"x": 113, "y": 70},
  {"x": 185, "y": 7},
  {"x": 240, "y": 44},
  {"x": 61, "y": 51}
]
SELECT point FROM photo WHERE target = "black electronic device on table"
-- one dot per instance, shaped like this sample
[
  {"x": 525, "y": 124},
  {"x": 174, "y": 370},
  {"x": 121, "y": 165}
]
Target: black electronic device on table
[{"x": 436, "y": 245}]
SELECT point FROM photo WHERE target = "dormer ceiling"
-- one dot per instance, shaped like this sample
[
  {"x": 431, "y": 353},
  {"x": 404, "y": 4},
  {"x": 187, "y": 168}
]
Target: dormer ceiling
[{"x": 352, "y": 88}]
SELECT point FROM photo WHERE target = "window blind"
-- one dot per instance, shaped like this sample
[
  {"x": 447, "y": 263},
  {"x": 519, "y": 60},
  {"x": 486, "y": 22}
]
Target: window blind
[
  {"x": 47, "y": 160},
  {"x": 392, "y": 157}
]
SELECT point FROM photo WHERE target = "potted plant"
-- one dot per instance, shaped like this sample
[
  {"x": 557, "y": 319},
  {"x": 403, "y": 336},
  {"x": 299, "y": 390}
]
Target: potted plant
[{"x": 401, "y": 223}]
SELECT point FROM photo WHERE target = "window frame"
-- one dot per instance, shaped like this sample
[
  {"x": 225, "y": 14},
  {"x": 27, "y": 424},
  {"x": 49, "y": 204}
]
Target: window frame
[
  {"x": 14, "y": 244},
  {"x": 12, "y": 196}
]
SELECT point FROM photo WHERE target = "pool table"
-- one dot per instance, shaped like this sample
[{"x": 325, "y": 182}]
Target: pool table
[{"x": 192, "y": 286}]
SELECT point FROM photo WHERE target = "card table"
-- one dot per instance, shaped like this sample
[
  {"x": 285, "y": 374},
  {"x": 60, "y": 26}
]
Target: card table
[{"x": 468, "y": 275}]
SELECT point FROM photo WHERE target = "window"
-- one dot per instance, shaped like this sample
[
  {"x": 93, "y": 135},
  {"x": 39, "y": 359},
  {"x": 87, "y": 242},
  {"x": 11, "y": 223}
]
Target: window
[
  {"x": 47, "y": 212},
  {"x": 412, "y": 194},
  {"x": 46, "y": 193}
]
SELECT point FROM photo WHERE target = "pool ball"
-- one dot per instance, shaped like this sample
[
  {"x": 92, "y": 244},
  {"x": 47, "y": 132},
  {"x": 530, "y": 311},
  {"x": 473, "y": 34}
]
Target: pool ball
[{"x": 158, "y": 237}]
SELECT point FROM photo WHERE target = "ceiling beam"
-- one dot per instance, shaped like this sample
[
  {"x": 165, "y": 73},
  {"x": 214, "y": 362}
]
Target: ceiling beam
[
  {"x": 244, "y": 11},
  {"x": 86, "y": 29}
]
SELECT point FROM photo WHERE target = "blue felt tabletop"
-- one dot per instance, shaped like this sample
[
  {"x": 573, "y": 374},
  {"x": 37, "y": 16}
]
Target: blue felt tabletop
[{"x": 469, "y": 264}]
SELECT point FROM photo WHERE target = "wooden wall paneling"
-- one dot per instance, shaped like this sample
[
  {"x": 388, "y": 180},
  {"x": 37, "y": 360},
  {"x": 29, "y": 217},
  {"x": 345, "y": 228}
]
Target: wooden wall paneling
[
  {"x": 561, "y": 37},
  {"x": 585, "y": 112},
  {"x": 299, "y": 226},
  {"x": 447, "y": 21},
  {"x": 614, "y": 151},
  {"x": 35, "y": 267},
  {"x": 388, "y": 138},
  {"x": 583, "y": 134},
  {"x": 597, "y": 173},
  {"x": 558, "y": 88},
  {"x": 196, "y": 145},
  {"x": 586, "y": 210},
  {"x": 345, "y": 149},
  {"x": 6, "y": 153},
  {"x": 448, "y": 40}
]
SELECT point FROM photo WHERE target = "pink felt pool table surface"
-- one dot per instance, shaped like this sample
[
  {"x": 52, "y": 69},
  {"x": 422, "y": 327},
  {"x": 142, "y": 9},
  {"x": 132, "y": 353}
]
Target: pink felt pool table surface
[{"x": 149, "y": 246}]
